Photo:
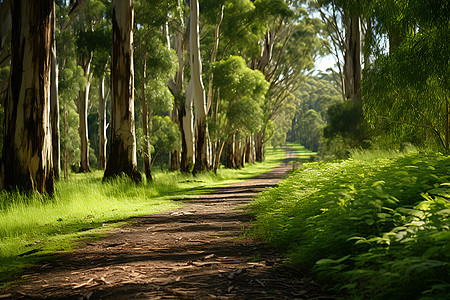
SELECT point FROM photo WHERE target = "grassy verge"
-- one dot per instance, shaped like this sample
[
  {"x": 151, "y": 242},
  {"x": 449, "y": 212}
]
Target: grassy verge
[
  {"x": 35, "y": 226},
  {"x": 375, "y": 226}
]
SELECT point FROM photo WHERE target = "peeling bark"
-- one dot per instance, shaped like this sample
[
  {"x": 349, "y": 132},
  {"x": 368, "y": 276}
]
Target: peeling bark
[
  {"x": 122, "y": 156},
  {"x": 27, "y": 162}
]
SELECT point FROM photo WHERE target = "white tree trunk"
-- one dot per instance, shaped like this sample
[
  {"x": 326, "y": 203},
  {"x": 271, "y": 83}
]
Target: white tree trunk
[
  {"x": 122, "y": 157},
  {"x": 54, "y": 109},
  {"x": 27, "y": 149},
  {"x": 196, "y": 91},
  {"x": 102, "y": 123},
  {"x": 83, "y": 101}
]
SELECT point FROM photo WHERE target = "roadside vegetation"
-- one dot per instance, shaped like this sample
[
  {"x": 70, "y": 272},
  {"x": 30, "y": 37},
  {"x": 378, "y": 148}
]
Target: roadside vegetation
[
  {"x": 375, "y": 226},
  {"x": 34, "y": 226}
]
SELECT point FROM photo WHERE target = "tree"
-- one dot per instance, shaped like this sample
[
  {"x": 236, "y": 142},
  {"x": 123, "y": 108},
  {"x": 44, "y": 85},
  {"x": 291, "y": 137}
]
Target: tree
[
  {"x": 238, "y": 111},
  {"x": 27, "y": 148},
  {"x": 122, "y": 155},
  {"x": 196, "y": 91}
]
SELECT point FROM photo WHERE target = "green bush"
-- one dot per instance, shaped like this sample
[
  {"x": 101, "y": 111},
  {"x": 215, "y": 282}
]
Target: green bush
[{"x": 374, "y": 226}]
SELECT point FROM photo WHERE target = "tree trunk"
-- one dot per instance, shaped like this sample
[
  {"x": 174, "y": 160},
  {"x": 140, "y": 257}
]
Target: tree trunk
[
  {"x": 27, "y": 162},
  {"x": 122, "y": 156},
  {"x": 146, "y": 151},
  {"x": 177, "y": 90},
  {"x": 54, "y": 109},
  {"x": 102, "y": 123},
  {"x": 196, "y": 91},
  {"x": 175, "y": 156},
  {"x": 213, "y": 59},
  {"x": 259, "y": 147},
  {"x": 66, "y": 152},
  {"x": 352, "y": 59},
  {"x": 83, "y": 101},
  {"x": 187, "y": 136},
  {"x": 230, "y": 152}
]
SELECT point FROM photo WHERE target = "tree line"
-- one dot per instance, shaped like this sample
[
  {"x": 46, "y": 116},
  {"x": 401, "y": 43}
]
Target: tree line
[{"x": 204, "y": 81}]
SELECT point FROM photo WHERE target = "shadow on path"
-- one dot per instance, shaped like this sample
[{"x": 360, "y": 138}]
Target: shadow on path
[{"x": 198, "y": 251}]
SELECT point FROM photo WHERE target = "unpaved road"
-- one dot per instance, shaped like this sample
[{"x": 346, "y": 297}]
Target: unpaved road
[{"x": 198, "y": 251}]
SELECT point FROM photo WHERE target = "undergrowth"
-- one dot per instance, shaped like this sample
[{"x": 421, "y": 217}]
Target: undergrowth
[
  {"x": 375, "y": 226},
  {"x": 32, "y": 227}
]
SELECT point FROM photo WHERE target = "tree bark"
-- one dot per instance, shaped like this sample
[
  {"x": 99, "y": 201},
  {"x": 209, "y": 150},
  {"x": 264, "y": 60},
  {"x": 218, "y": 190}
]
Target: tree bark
[
  {"x": 54, "y": 109},
  {"x": 82, "y": 104},
  {"x": 146, "y": 151},
  {"x": 102, "y": 123},
  {"x": 122, "y": 157},
  {"x": 352, "y": 59},
  {"x": 177, "y": 90},
  {"x": 259, "y": 147},
  {"x": 196, "y": 91},
  {"x": 27, "y": 162}
]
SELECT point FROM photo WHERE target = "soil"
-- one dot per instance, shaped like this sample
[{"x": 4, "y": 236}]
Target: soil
[{"x": 199, "y": 251}]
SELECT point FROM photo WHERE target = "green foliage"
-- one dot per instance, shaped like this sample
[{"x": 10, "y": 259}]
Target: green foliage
[
  {"x": 375, "y": 226},
  {"x": 165, "y": 135},
  {"x": 242, "y": 93},
  {"x": 346, "y": 120},
  {"x": 406, "y": 91},
  {"x": 84, "y": 208},
  {"x": 312, "y": 100}
]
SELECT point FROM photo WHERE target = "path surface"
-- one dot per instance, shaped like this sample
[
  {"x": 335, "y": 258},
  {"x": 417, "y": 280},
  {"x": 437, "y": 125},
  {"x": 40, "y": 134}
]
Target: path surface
[{"x": 195, "y": 252}]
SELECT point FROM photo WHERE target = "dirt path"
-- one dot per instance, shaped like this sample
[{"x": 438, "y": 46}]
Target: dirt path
[{"x": 195, "y": 252}]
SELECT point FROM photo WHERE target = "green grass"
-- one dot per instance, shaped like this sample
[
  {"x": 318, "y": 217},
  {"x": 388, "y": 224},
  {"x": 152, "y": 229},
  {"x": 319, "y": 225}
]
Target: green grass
[
  {"x": 85, "y": 208},
  {"x": 375, "y": 226}
]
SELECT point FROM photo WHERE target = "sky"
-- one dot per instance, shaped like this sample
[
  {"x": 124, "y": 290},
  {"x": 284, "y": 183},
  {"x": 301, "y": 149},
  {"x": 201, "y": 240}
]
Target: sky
[{"x": 325, "y": 62}]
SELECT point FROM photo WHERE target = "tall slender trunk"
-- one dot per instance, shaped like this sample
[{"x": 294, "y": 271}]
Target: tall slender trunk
[
  {"x": 27, "y": 162},
  {"x": 352, "y": 59},
  {"x": 196, "y": 92},
  {"x": 102, "y": 123},
  {"x": 66, "y": 151},
  {"x": 122, "y": 155},
  {"x": 187, "y": 136},
  {"x": 213, "y": 59},
  {"x": 177, "y": 90},
  {"x": 146, "y": 151},
  {"x": 83, "y": 101},
  {"x": 54, "y": 109}
]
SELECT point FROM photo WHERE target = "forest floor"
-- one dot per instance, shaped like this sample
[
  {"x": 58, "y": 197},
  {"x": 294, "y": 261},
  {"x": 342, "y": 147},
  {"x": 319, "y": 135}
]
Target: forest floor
[{"x": 200, "y": 251}]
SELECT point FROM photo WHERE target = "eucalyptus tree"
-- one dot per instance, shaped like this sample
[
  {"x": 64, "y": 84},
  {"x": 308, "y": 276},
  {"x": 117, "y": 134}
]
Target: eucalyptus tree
[
  {"x": 196, "y": 91},
  {"x": 291, "y": 44},
  {"x": 122, "y": 155},
  {"x": 343, "y": 19},
  {"x": 238, "y": 110},
  {"x": 90, "y": 25},
  {"x": 155, "y": 66},
  {"x": 27, "y": 148}
]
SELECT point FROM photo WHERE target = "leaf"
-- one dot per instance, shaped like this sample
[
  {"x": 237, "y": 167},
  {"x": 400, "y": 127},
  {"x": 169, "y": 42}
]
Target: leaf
[{"x": 369, "y": 221}]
